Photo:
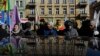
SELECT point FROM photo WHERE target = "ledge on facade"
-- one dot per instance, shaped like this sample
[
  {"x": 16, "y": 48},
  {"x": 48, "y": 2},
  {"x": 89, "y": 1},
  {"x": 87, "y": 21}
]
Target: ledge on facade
[
  {"x": 81, "y": 4},
  {"x": 82, "y": 16}
]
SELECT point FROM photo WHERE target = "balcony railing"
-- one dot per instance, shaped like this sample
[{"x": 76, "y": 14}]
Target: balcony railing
[
  {"x": 31, "y": 15},
  {"x": 83, "y": 14},
  {"x": 82, "y": 4},
  {"x": 31, "y": 3}
]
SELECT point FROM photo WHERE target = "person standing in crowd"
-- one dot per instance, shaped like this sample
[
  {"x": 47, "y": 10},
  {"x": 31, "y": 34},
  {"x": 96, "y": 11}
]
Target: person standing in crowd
[
  {"x": 60, "y": 27},
  {"x": 17, "y": 30},
  {"x": 3, "y": 33},
  {"x": 70, "y": 31},
  {"x": 49, "y": 31},
  {"x": 34, "y": 29},
  {"x": 17, "y": 33},
  {"x": 27, "y": 30},
  {"x": 87, "y": 28},
  {"x": 41, "y": 27}
]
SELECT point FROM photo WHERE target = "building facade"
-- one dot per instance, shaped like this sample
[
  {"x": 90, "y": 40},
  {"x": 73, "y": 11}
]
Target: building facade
[
  {"x": 95, "y": 6},
  {"x": 30, "y": 11},
  {"x": 51, "y": 10},
  {"x": 21, "y": 7}
]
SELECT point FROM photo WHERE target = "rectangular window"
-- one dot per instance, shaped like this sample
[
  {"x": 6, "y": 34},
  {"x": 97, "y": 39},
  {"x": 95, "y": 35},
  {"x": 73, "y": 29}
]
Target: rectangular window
[
  {"x": 49, "y": 1},
  {"x": 21, "y": 3},
  {"x": 57, "y": 1},
  {"x": 57, "y": 10},
  {"x": 64, "y": 10},
  {"x": 21, "y": 14},
  {"x": 32, "y": 0},
  {"x": 82, "y": 0},
  {"x": 42, "y": 11},
  {"x": 32, "y": 11},
  {"x": 72, "y": 10},
  {"x": 50, "y": 10},
  {"x": 42, "y": 1},
  {"x": 64, "y": 2},
  {"x": 71, "y": 1},
  {"x": 17, "y": 3},
  {"x": 82, "y": 11}
]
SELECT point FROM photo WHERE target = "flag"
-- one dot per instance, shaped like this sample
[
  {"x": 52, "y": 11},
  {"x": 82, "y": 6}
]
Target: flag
[
  {"x": 16, "y": 15},
  {"x": 95, "y": 15},
  {"x": 12, "y": 19},
  {"x": 2, "y": 17},
  {"x": 7, "y": 7},
  {"x": 96, "y": 18},
  {"x": 5, "y": 4}
]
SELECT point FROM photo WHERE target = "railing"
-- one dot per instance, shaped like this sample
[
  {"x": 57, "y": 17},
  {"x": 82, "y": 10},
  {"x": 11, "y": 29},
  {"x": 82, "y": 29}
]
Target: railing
[{"x": 51, "y": 46}]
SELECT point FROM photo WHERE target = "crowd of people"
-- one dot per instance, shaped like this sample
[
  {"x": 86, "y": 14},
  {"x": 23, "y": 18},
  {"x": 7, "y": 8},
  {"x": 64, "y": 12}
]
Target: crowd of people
[
  {"x": 45, "y": 29},
  {"x": 68, "y": 29}
]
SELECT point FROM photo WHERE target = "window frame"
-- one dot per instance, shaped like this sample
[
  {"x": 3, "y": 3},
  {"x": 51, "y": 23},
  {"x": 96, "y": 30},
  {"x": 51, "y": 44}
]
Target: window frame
[
  {"x": 64, "y": 10},
  {"x": 50, "y": 11},
  {"x": 42, "y": 11},
  {"x": 71, "y": 1},
  {"x": 72, "y": 11},
  {"x": 64, "y": 1},
  {"x": 57, "y": 11},
  {"x": 21, "y": 3},
  {"x": 57, "y": 1},
  {"x": 42, "y": 1},
  {"x": 21, "y": 14}
]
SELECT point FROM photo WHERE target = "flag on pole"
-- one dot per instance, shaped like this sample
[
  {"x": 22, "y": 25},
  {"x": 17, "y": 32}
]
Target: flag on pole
[
  {"x": 16, "y": 15},
  {"x": 2, "y": 17},
  {"x": 96, "y": 18},
  {"x": 14, "y": 18},
  {"x": 5, "y": 4}
]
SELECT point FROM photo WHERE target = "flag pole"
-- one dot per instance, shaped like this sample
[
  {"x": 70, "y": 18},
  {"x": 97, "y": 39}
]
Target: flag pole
[{"x": 9, "y": 16}]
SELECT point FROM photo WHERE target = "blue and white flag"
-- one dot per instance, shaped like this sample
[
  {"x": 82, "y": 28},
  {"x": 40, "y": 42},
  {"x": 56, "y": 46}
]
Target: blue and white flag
[{"x": 2, "y": 20}]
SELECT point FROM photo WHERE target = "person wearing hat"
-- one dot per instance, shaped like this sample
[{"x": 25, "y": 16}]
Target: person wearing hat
[{"x": 70, "y": 31}]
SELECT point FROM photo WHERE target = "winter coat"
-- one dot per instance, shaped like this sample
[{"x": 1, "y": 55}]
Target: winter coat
[
  {"x": 71, "y": 33},
  {"x": 50, "y": 32}
]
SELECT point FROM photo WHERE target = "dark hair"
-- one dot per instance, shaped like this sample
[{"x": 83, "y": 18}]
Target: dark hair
[
  {"x": 28, "y": 25},
  {"x": 68, "y": 23},
  {"x": 0, "y": 26},
  {"x": 42, "y": 20}
]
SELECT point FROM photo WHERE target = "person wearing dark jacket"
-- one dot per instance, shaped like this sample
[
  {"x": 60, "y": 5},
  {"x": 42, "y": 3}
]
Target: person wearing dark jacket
[
  {"x": 49, "y": 30},
  {"x": 27, "y": 31},
  {"x": 87, "y": 29},
  {"x": 70, "y": 31},
  {"x": 17, "y": 31},
  {"x": 3, "y": 33},
  {"x": 41, "y": 27}
]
